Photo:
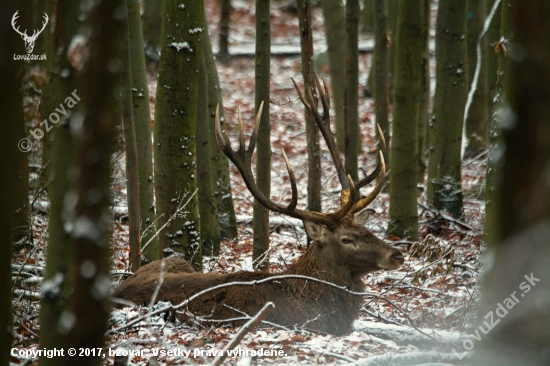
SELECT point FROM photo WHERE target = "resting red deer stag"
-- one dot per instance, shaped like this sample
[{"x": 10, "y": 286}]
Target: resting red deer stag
[{"x": 342, "y": 251}]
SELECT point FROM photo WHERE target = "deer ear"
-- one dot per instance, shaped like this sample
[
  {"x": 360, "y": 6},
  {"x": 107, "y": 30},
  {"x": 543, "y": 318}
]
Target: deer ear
[
  {"x": 361, "y": 217},
  {"x": 314, "y": 230}
]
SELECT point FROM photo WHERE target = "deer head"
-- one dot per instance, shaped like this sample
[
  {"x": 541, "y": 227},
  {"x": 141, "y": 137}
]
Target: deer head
[
  {"x": 29, "y": 40},
  {"x": 342, "y": 231}
]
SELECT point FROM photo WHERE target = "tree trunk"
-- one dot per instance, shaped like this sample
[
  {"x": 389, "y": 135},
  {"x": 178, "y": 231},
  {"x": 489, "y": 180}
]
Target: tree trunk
[
  {"x": 392, "y": 8},
  {"x": 477, "y": 126},
  {"x": 335, "y": 29},
  {"x": 406, "y": 103},
  {"x": 493, "y": 36},
  {"x": 12, "y": 115},
  {"x": 132, "y": 169},
  {"x": 152, "y": 27},
  {"x": 425, "y": 81},
  {"x": 142, "y": 125},
  {"x": 493, "y": 177},
  {"x": 175, "y": 130},
  {"x": 352, "y": 88},
  {"x": 221, "y": 182},
  {"x": 367, "y": 16},
  {"x": 516, "y": 281},
  {"x": 263, "y": 154},
  {"x": 444, "y": 177},
  {"x": 380, "y": 65},
  {"x": 87, "y": 314},
  {"x": 210, "y": 226},
  {"x": 55, "y": 301},
  {"x": 223, "y": 53},
  {"x": 312, "y": 131}
]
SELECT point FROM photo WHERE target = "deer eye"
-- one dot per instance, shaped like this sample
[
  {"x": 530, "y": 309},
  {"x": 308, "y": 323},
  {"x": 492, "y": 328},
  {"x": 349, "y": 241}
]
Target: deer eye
[{"x": 347, "y": 241}]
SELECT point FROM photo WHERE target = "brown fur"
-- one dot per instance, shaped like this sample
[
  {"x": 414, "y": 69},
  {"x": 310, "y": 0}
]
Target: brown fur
[{"x": 297, "y": 302}]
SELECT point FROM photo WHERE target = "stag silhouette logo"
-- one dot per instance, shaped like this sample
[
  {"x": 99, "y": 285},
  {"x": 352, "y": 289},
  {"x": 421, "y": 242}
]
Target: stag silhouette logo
[{"x": 29, "y": 40}]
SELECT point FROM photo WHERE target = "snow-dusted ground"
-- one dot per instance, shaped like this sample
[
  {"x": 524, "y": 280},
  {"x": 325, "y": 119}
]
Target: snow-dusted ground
[{"x": 420, "y": 307}]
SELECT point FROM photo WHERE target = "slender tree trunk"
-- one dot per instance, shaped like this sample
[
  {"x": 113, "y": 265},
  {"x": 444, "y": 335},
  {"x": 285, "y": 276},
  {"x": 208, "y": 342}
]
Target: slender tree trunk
[
  {"x": 392, "y": 8},
  {"x": 152, "y": 26},
  {"x": 477, "y": 125},
  {"x": 406, "y": 103},
  {"x": 263, "y": 155},
  {"x": 175, "y": 130},
  {"x": 142, "y": 125},
  {"x": 380, "y": 64},
  {"x": 86, "y": 319},
  {"x": 132, "y": 169},
  {"x": 223, "y": 53},
  {"x": 54, "y": 300},
  {"x": 516, "y": 281},
  {"x": 493, "y": 177},
  {"x": 312, "y": 131},
  {"x": 493, "y": 36},
  {"x": 210, "y": 226},
  {"x": 335, "y": 29},
  {"x": 221, "y": 182},
  {"x": 425, "y": 81},
  {"x": 12, "y": 115},
  {"x": 352, "y": 88},
  {"x": 444, "y": 177},
  {"x": 367, "y": 16}
]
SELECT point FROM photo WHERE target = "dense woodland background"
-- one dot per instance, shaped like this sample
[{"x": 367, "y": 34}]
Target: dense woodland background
[{"x": 132, "y": 172}]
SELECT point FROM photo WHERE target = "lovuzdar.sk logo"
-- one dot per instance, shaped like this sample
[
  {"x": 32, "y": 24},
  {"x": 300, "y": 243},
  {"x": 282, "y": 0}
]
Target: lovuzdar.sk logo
[{"x": 29, "y": 40}]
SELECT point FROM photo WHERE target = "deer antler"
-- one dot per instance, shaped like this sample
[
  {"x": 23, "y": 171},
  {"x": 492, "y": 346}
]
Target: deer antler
[
  {"x": 44, "y": 23},
  {"x": 242, "y": 159},
  {"x": 15, "y": 27},
  {"x": 324, "y": 126}
]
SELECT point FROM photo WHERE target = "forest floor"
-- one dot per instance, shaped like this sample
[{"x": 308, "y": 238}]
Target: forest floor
[{"x": 429, "y": 304}]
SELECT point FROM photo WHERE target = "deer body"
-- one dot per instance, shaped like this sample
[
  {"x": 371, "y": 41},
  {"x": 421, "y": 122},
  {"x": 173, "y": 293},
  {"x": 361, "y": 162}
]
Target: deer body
[{"x": 343, "y": 250}]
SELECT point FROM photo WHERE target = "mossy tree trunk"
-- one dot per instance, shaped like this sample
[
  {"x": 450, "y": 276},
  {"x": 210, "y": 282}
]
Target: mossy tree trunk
[
  {"x": 493, "y": 177},
  {"x": 380, "y": 65},
  {"x": 221, "y": 182},
  {"x": 263, "y": 155},
  {"x": 335, "y": 29},
  {"x": 142, "y": 124},
  {"x": 477, "y": 125},
  {"x": 352, "y": 88},
  {"x": 87, "y": 314},
  {"x": 312, "y": 131},
  {"x": 367, "y": 16},
  {"x": 208, "y": 209},
  {"x": 406, "y": 103},
  {"x": 425, "y": 81},
  {"x": 12, "y": 115},
  {"x": 175, "y": 130},
  {"x": 516, "y": 281},
  {"x": 132, "y": 169},
  {"x": 58, "y": 255},
  {"x": 152, "y": 26},
  {"x": 223, "y": 52},
  {"x": 444, "y": 170}
]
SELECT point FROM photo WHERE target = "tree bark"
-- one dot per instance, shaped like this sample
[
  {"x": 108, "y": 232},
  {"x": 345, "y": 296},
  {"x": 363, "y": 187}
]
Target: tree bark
[
  {"x": 425, "y": 81},
  {"x": 263, "y": 154},
  {"x": 444, "y": 176},
  {"x": 493, "y": 36},
  {"x": 335, "y": 29},
  {"x": 367, "y": 16},
  {"x": 223, "y": 53},
  {"x": 312, "y": 131},
  {"x": 352, "y": 88},
  {"x": 86, "y": 317},
  {"x": 519, "y": 251},
  {"x": 175, "y": 130},
  {"x": 406, "y": 103},
  {"x": 221, "y": 182},
  {"x": 152, "y": 26},
  {"x": 142, "y": 125},
  {"x": 380, "y": 65}
]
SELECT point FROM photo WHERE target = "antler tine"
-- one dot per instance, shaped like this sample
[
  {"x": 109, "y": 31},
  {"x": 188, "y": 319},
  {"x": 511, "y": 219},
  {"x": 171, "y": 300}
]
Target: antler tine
[
  {"x": 222, "y": 139},
  {"x": 294, "y": 200},
  {"x": 372, "y": 176},
  {"x": 241, "y": 129},
  {"x": 362, "y": 203},
  {"x": 300, "y": 95},
  {"x": 14, "y": 25},
  {"x": 382, "y": 138},
  {"x": 254, "y": 137},
  {"x": 324, "y": 95}
]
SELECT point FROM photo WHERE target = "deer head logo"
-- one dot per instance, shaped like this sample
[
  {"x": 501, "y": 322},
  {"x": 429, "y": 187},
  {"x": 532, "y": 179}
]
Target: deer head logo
[{"x": 29, "y": 40}]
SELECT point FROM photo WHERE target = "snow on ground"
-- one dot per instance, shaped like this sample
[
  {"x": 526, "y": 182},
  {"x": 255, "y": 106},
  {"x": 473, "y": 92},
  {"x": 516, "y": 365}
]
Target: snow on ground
[{"x": 420, "y": 307}]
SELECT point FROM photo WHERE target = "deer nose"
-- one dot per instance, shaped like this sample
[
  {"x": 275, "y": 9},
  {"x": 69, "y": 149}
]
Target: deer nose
[{"x": 398, "y": 258}]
